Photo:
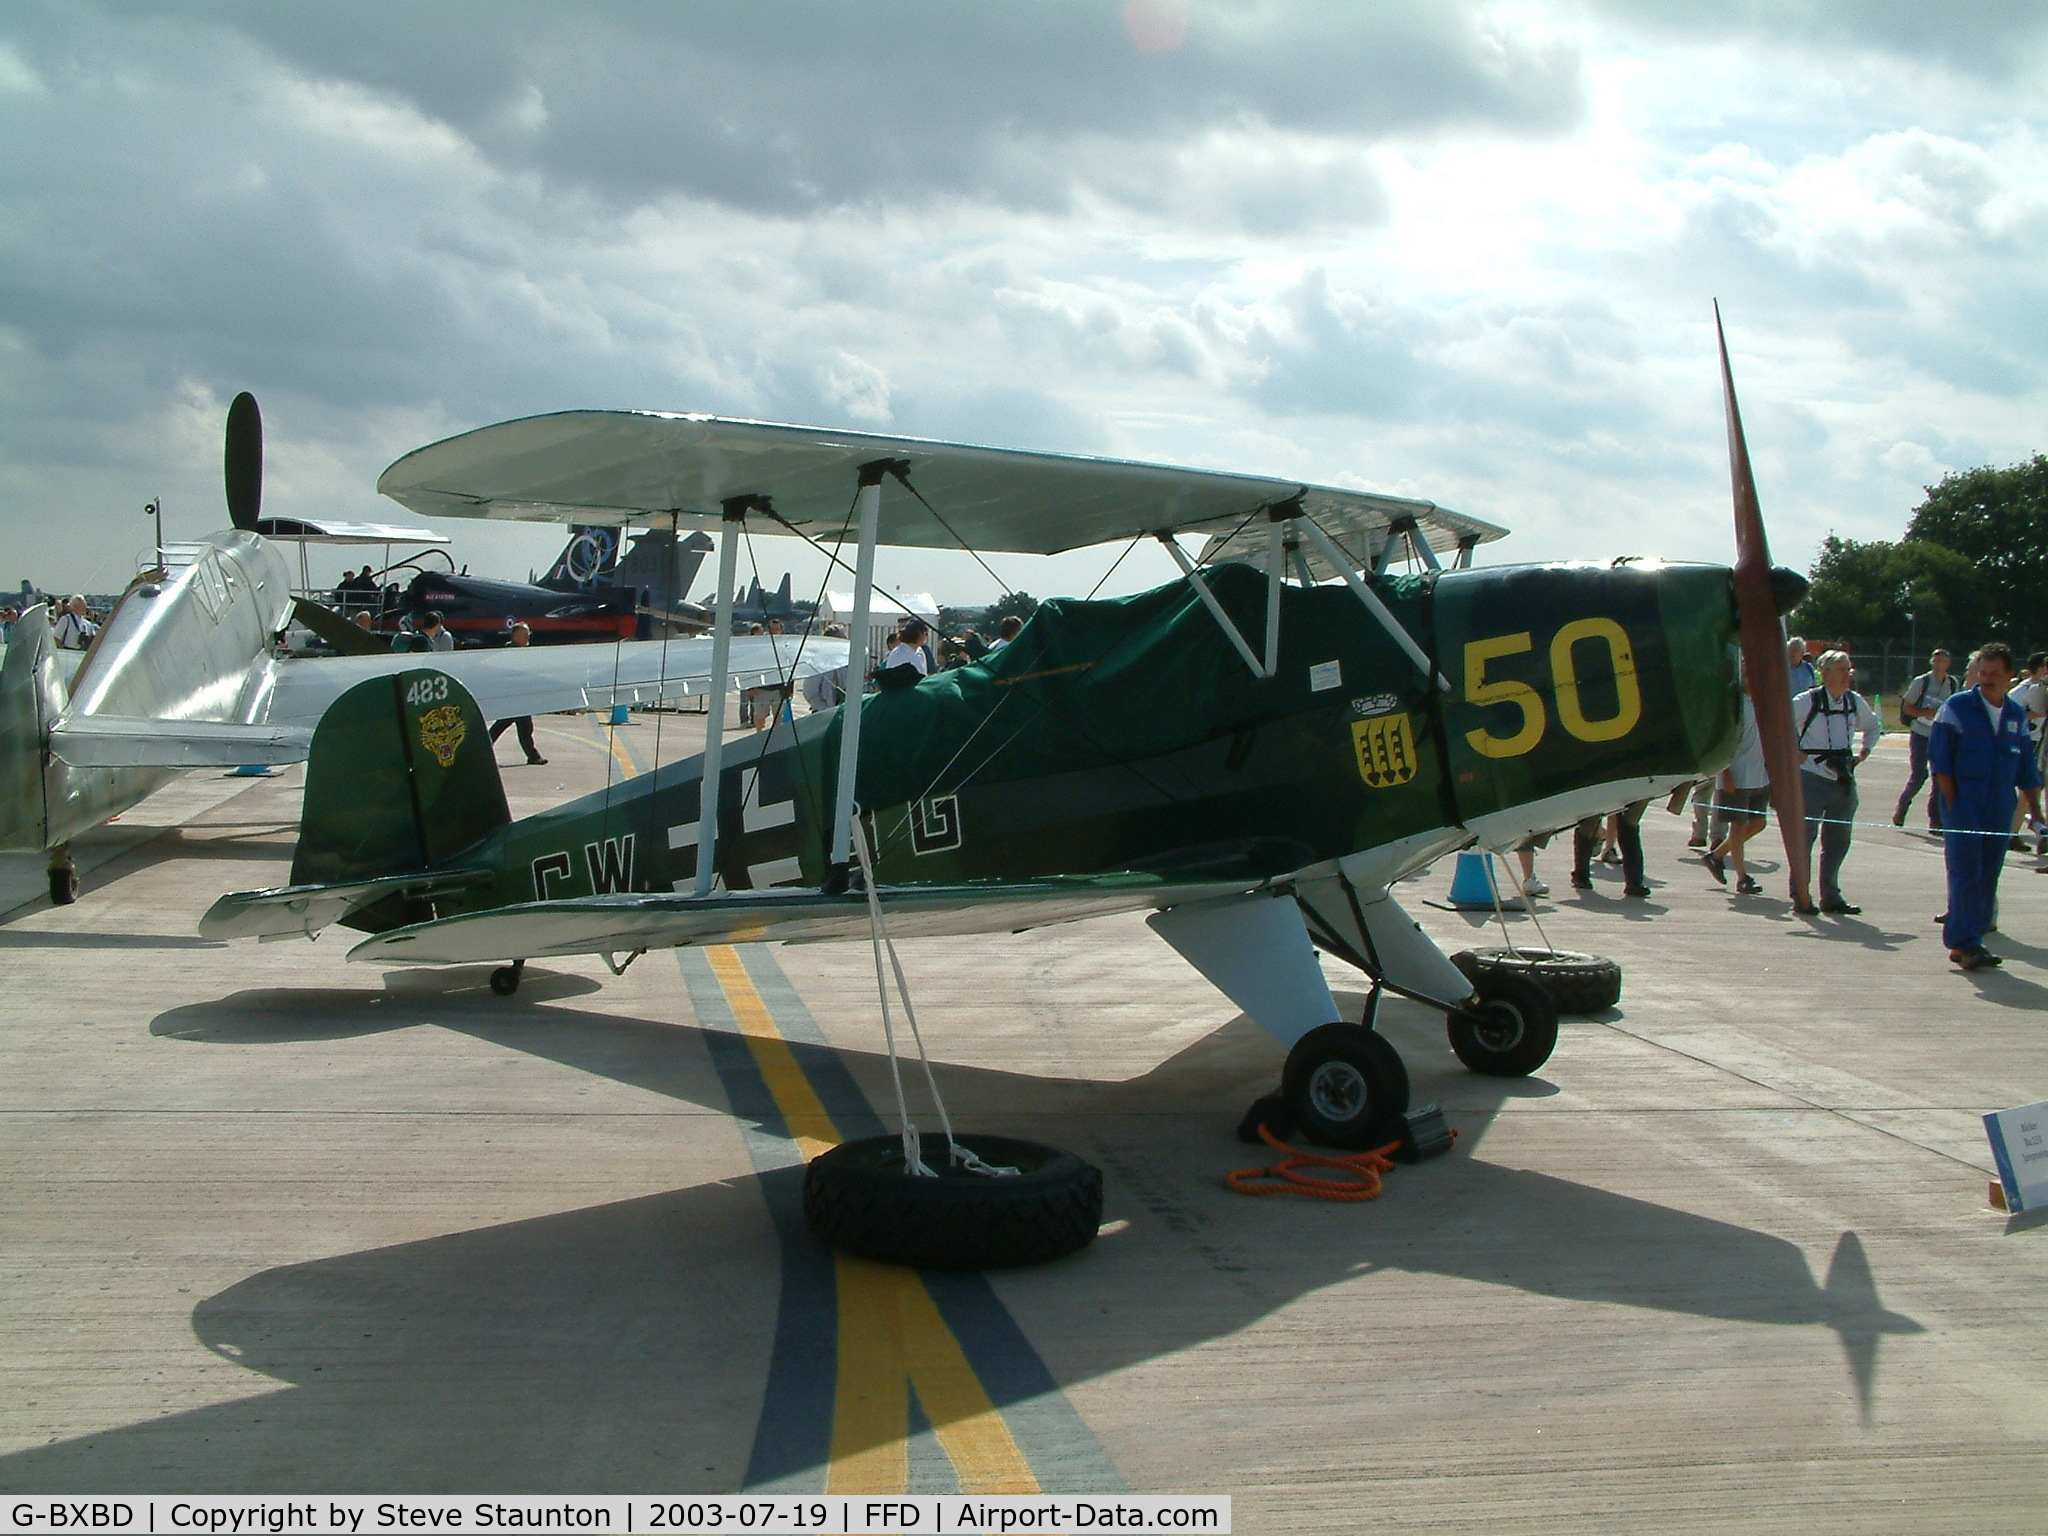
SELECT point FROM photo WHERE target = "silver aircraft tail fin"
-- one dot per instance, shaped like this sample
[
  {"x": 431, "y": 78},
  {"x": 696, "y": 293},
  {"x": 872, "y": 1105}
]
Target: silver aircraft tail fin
[{"x": 32, "y": 695}]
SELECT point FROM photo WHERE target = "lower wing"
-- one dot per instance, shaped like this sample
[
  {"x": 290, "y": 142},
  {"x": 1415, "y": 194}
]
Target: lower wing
[{"x": 614, "y": 925}]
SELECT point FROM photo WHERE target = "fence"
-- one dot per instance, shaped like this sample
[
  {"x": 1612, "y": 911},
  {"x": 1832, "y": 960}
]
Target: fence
[{"x": 1885, "y": 666}]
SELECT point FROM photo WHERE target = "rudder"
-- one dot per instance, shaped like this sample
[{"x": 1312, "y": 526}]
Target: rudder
[
  {"x": 401, "y": 777},
  {"x": 32, "y": 695}
]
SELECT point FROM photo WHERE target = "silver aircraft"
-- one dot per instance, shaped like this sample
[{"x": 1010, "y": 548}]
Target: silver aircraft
[{"x": 187, "y": 672}]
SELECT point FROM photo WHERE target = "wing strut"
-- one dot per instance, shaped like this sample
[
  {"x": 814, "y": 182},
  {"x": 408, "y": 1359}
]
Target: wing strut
[
  {"x": 736, "y": 509},
  {"x": 1276, "y": 572},
  {"x": 1215, "y": 608},
  {"x": 869, "y": 513},
  {"x": 1365, "y": 594}
]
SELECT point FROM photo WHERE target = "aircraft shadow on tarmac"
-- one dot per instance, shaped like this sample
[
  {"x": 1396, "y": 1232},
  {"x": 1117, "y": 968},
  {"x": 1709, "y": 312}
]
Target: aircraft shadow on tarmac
[
  {"x": 589, "y": 1348},
  {"x": 35, "y": 938}
]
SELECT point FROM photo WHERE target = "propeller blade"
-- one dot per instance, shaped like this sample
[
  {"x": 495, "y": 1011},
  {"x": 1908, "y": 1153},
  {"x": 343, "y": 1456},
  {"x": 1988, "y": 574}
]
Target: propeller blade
[
  {"x": 1763, "y": 641},
  {"x": 242, "y": 462},
  {"x": 343, "y": 635}
]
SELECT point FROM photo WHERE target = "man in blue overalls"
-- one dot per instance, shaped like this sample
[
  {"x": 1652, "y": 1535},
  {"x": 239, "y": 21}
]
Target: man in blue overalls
[{"x": 1980, "y": 752}]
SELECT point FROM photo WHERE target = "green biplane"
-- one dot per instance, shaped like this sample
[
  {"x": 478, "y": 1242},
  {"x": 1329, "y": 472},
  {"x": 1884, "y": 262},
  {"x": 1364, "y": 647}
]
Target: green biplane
[{"x": 1253, "y": 753}]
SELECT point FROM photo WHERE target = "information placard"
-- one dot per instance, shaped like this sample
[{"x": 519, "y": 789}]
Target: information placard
[{"x": 2019, "y": 1141}]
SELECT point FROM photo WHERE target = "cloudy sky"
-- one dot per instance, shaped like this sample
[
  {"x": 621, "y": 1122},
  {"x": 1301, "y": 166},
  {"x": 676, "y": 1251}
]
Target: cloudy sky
[{"x": 1459, "y": 251}]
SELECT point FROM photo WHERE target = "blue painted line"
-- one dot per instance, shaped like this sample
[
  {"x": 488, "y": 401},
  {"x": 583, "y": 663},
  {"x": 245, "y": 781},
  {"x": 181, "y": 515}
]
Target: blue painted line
[
  {"x": 793, "y": 1443},
  {"x": 1064, "y": 1454}
]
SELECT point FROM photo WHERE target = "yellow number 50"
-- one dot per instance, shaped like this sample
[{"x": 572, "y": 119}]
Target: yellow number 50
[
  {"x": 1479, "y": 691},
  {"x": 1628, "y": 696}
]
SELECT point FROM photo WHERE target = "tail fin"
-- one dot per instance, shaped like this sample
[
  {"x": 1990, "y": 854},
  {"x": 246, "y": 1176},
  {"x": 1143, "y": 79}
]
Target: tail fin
[
  {"x": 401, "y": 777},
  {"x": 32, "y": 695},
  {"x": 588, "y": 557}
]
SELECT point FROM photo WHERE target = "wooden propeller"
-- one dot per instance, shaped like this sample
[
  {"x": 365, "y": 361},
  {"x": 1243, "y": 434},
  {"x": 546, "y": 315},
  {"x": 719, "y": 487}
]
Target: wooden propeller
[{"x": 1763, "y": 642}]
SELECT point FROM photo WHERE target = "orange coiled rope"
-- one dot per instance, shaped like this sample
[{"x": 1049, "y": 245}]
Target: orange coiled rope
[{"x": 1364, "y": 1170}]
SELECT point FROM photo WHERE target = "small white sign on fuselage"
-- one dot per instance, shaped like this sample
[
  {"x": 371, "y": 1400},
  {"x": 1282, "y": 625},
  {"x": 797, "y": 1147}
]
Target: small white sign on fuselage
[{"x": 2019, "y": 1140}]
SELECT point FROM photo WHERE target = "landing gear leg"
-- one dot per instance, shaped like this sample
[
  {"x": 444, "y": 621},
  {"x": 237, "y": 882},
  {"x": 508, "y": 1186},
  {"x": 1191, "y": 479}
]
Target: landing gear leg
[
  {"x": 63, "y": 876},
  {"x": 505, "y": 979}
]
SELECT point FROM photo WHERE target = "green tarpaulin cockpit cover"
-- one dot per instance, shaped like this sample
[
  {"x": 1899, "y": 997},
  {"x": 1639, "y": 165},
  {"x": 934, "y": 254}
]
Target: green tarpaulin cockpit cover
[{"x": 1121, "y": 680}]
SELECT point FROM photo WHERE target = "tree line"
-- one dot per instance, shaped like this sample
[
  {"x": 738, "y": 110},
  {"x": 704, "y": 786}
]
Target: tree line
[{"x": 1973, "y": 566}]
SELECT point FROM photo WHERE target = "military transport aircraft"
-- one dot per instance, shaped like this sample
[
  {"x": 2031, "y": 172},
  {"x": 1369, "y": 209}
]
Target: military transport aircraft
[
  {"x": 1254, "y": 752},
  {"x": 187, "y": 673}
]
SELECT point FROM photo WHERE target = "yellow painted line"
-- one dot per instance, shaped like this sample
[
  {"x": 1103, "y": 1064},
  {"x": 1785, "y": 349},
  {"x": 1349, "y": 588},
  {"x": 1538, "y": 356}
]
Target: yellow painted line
[
  {"x": 985, "y": 1457},
  {"x": 891, "y": 1338},
  {"x": 891, "y": 1333},
  {"x": 871, "y": 1404},
  {"x": 621, "y": 752},
  {"x": 801, "y": 1108},
  {"x": 618, "y": 750}
]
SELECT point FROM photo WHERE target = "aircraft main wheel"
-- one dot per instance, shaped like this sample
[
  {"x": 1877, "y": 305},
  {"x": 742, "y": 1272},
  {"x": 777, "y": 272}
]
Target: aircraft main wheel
[
  {"x": 63, "y": 885},
  {"x": 1510, "y": 1031},
  {"x": 1346, "y": 1087},
  {"x": 858, "y": 1198},
  {"x": 1576, "y": 983},
  {"x": 505, "y": 979}
]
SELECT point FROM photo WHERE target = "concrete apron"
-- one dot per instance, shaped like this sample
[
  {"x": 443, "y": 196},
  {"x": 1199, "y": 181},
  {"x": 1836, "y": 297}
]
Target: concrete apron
[{"x": 279, "y": 1223}]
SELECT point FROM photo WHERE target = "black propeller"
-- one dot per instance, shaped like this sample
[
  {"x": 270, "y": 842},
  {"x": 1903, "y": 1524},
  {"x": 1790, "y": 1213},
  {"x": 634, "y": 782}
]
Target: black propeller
[{"x": 242, "y": 462}]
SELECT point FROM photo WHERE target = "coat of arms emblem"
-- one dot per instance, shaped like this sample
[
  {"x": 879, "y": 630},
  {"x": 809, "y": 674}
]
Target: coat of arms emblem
[{"x": 1386, "y": 750}]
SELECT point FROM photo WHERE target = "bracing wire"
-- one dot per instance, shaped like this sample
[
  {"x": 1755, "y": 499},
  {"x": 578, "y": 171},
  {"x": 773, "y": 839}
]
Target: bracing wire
[
  {"x": 1120, "y": 559},
  {"x": 832, "y": 556}
]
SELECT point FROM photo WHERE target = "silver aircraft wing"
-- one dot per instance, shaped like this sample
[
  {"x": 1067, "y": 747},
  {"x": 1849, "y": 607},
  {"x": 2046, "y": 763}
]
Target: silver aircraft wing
[
  {"x": 545, "y": 680},
  {"x": 618, "y": 925},
  {"x": 128, "y": 741}
]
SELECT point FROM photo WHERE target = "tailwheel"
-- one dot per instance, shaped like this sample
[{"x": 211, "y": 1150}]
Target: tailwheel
[
  {"x": 505, "y": 979},
  {"x": 1345, "y": 1086},
  {"x": 1510, "y": 1030},
  {"x": 63, "y": 884}
]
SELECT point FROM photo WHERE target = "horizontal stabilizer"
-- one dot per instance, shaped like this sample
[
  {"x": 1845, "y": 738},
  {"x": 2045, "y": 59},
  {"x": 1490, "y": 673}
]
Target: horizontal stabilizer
[
  {"x": 288, "y": 911},
  {"x": 615, "y": 925},
  {"x": 129, "y": 741}
]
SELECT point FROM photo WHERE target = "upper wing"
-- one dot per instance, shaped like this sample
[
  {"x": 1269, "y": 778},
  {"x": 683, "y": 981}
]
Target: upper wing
[
  {"x": 545, "y": 680},
  {"x": 1357, "y": 525},
  {"x": 601, "y": 925},
  {"x": 630, "y": 466}
]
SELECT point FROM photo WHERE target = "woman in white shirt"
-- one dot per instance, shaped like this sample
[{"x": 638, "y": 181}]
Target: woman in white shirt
[{"x": 909, "y": 648}]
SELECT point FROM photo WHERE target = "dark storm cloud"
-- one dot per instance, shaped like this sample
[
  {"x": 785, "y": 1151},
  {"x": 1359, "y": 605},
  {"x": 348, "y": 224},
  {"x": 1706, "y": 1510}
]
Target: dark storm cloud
[{"x": 787, "y": 107}]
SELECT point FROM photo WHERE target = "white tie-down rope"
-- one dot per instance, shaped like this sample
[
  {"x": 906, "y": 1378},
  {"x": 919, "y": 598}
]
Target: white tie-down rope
[
  {"x": 913, "y": 1159},
  {"x": 1528, "y": 904}
]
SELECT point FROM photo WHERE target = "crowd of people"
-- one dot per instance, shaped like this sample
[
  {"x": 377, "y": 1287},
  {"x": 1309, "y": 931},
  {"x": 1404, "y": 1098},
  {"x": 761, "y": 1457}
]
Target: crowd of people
[
  {"x": 73, "y": 621},
  {"x": 1978, "y": 744}
]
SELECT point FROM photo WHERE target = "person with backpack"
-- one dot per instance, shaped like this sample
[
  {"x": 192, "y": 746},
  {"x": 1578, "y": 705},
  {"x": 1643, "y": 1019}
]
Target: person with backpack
[
  {"x": 1830, "y": 718},
  {"x": 1920, "y": 703},
  {"x": 1980, "y": 752}
]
